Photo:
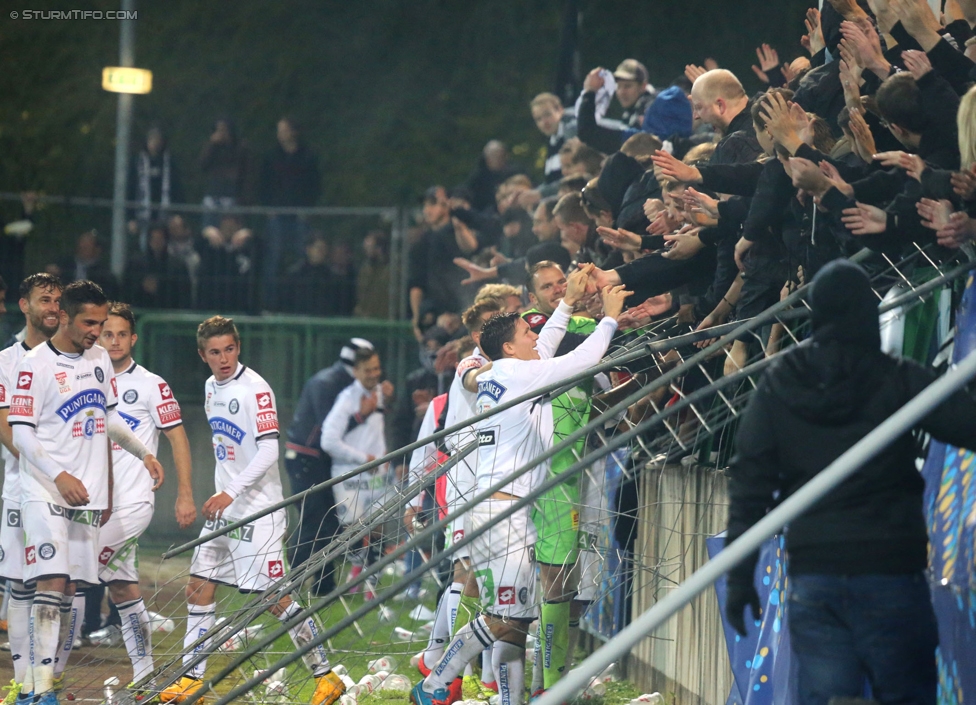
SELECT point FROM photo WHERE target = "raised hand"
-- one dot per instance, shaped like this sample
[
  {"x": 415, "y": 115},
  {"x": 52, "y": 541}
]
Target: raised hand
[
  {"x": 784, "y": 122},
  {"x": 863, "y": 139},
  {"x": 613, "y": 300},
  {"x": 576, "y": 283},
  {"x": 700, "y": 202},
  {"x": 868, "y": 46},
  {"x": 917, "y": 62},
  {"x": 864, "y": 219},
  {"x": 692, "y": 72},
  {"x": 768, "y": 61},
  {"x": 621, "y": 239},
  {"x": 593, "y": 81},
  {"x": 959, "y": 230},
  {"x": 675, "y": 168},
  {"x": 813, "y": 40},
  {"x": 964, "y": 183},
  {"x": 934, "y": 214},
  {"x": 475, "y": 272},
  {"x": 683, "y": 245},
  {"x": 913, "y": 164}
]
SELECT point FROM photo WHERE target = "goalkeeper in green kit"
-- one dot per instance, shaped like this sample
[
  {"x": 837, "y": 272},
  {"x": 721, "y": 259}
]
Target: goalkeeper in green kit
[{"x": 556, "y": 513}]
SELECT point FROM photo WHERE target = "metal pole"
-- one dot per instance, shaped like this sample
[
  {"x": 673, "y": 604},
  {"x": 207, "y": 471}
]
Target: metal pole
[
  {"x": 123, "y": 130},
  {"x": 796, "y": 504}
]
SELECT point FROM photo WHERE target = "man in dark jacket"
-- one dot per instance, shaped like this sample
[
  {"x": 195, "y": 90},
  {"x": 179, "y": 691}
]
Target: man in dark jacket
[
  {"x": 289, "y": 177},
  {"x": 859, "y": 599},
  {"x": 307, "y": 465},
  {"x": 634, "y": 94}
]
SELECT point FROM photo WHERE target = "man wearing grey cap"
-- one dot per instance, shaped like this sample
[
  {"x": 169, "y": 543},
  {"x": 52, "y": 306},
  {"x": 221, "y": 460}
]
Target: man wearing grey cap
[
  {"x": 634, "y": 94},
  {"x": 307, "y": 465}
]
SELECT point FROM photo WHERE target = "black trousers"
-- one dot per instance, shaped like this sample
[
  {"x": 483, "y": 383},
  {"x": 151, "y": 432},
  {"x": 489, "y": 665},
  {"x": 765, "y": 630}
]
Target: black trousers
[{"x": 318, "y": 523}]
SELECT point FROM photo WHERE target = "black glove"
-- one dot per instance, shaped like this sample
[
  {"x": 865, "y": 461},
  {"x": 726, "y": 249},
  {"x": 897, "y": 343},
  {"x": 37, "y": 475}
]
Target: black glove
[{"x": 740, "y": 595}]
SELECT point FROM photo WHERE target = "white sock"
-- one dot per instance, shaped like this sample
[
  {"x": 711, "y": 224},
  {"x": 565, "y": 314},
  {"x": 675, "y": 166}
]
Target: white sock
[
  {"x": 45, "y": 620},
  {"x": 317, "y": 660},
  {"x": 453, "y": 600},
  {"x": 509, "y": 663},
  {"x": 5, "y": 605},
  {"x": 199, "y": 620},
  {"x": 72, "y": 612},
  {"x": 137, "y": 636},
  {"x": 466, "y": 644},
  {"x": 18, "y": 630},
  {"x": 538, "y": 681},
  {"x": 439, "y": 634}
]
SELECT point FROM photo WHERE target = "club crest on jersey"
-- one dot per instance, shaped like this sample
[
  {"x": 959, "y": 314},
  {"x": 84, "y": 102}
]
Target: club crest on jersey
[
  {"x": 132, "y": 422},
  {"x": 62, "y": 379},
  {"x": 169, "y": 412},
  {"x": 234, "y": 406},
  {"x": 24, "y": 380},
  {"x": 221, "y": 425},
  {"x": 164, "y": 391},
  {"x": 46, "y": 551},
  {"x": 99, "y": 375},
  {"x": 223, "y": 452},
  {"x": 88, "y": 399},
  {"x": 131, "y": 396}
]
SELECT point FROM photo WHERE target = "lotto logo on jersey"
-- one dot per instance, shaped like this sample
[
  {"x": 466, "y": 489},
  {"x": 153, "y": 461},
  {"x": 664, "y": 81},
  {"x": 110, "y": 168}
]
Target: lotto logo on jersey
[
  {"x": 21, "y": 405},
  {"x": 3, "y": 394},
  {"x": 276, "y": 569},
  {"x": 267, "y": 421},
  {"x": 169, "y": 412},
  {"x": 468, "y": 363},
  {"x": 506, "y": 596},
  {"x": 536, "y": 320},
  {"x": 264, "y": 400},
  {"x": 30, "y": 555},
  {"x": 458, "y": 536},
  {"x": 106, "y": 555},
  {"x": 24, "y": 380},
  {"x": 164, "y": 391},
  {"x": 115, "y": 388}
]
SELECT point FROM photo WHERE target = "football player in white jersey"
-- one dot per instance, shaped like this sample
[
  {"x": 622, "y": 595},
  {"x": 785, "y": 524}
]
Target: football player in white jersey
[
  {"x": 353, "y": 433},
  {"x": 243, "y": 420},
  {"x": 61, "y": 410},
  {"x": 147, "y": 405},
  {"x": 502, "y": 556},
  {"x": 40, "y": 296},
  {"x": 462, "y": 601}
]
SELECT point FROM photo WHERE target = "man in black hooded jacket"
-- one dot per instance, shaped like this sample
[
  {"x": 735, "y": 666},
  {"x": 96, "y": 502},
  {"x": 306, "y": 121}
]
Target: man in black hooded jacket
[{"x": 859, "y": 603}]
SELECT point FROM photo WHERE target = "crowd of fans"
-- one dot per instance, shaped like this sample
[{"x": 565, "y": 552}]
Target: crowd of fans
[{"x": 715, "y": 198}]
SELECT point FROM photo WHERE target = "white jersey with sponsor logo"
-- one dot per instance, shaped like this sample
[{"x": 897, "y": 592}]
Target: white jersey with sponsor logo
[
  {"x": 241, "y": 411},
  {"x": 510, "y": 439},
  {"x": 66, "y": 398},
  {"x": 9, "y": 359},
  {"x": 461, "y": 406},
  {"x": 147, "y": 405}
]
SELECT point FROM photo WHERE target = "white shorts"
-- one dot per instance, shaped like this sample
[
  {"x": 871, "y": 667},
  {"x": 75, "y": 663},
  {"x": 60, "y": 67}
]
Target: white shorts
[
  {"x": 590, "y": 565},
  {"x": 358, "y": 497},
  {"x": 60, "y": 541},
  {"x": 11, "y": 542},
  {"x": 118, "y": 542},
  {"x": 503, "y": 560},
  {"x": 249, "y": 558}
]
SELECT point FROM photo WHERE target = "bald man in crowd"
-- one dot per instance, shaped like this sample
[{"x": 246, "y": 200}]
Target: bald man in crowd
[{"x": 718, "y": 99}]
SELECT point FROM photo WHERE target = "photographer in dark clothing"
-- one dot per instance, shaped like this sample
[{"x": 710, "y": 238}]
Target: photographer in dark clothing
[{"x": 859, "y": 604}]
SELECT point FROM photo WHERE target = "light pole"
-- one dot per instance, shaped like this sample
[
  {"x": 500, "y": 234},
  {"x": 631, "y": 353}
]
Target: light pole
[{"x": 125, "y": 81}]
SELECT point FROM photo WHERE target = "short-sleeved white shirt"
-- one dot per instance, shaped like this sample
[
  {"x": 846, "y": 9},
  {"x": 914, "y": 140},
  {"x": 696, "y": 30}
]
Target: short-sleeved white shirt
[
  {"x": 241, "y": 411},
  {"x": 66, "y": 398},
  {"x": 9, "y": 359},
  {"x": 147, "y": 405}
]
